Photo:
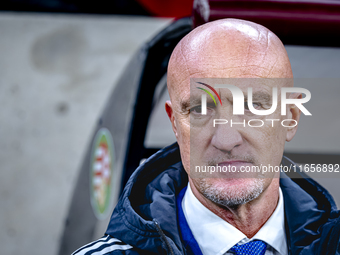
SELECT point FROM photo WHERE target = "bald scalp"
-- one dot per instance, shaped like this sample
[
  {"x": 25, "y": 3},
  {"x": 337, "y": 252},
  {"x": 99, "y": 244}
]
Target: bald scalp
[{"x": 228, "y": 48}]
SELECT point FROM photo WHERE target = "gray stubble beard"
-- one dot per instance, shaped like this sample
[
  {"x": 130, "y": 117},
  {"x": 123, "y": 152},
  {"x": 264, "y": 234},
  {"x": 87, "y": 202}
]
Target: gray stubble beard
[{"x": 231, "y": 198}]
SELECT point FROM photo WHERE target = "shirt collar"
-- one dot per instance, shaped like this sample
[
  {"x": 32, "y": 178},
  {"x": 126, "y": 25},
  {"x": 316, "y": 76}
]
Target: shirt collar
[{"x": 216, "y": 236}]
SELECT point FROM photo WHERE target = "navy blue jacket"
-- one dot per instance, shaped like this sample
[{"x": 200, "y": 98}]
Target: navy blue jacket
[{"x": 145, "y": 219}]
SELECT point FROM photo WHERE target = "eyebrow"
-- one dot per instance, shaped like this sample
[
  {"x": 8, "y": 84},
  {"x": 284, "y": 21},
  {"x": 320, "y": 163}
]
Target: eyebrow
[
  {"x": 185, "y": 104},
  {"x": 260, "y": 96}
]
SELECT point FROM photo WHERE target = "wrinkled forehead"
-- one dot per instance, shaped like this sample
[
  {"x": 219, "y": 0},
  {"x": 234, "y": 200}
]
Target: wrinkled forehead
[{"x": 227, "y": 49}]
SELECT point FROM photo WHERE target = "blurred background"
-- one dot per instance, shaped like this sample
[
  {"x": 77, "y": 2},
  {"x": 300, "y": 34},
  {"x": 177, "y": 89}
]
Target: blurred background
[
  {"x": 60, "y": 62},
  {"x": 56, "y": 74}
]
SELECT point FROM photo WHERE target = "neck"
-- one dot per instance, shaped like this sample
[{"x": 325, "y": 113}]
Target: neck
[{"x": 249, "y": 217}]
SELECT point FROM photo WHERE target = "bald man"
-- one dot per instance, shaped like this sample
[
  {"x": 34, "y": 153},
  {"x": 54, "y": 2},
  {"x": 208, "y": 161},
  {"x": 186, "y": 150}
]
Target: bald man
[{"x": 167, "y": 207}]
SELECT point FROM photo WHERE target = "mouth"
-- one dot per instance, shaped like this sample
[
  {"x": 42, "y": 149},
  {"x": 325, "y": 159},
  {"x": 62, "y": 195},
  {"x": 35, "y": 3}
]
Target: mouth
[
  {"x": 234, "y": 163},
  {"x": 235, "y": 168}
]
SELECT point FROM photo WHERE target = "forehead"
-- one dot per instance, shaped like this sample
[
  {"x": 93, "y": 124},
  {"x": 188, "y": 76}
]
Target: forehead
[
  {"x": 227, "y": 88},
  {"x": 227, "y": 51},
  {"x": 242, "y": 83}
]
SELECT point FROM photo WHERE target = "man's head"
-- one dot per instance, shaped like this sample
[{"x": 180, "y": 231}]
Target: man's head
[{"x": 228, "y": 48}]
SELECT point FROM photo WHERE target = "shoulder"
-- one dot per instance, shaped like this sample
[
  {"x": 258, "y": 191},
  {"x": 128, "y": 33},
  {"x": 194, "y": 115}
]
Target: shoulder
[
  {"x": 105, "y": 245},
  {"x": 330, "y": 235}
]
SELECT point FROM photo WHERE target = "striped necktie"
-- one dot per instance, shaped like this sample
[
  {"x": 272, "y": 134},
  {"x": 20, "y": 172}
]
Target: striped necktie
[{"x": 256, "y": 247}]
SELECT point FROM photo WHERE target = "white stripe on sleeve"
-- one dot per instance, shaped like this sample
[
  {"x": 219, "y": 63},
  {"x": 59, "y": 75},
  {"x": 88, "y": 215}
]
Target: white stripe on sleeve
[
  {"x": 95, "y": 245},
  {"x": 113, "y": 248}
]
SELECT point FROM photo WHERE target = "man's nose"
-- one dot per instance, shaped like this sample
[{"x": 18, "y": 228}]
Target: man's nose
[{"x": 226, "y": 138}]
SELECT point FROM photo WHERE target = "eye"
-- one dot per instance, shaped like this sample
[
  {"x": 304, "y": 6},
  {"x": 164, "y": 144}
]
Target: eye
[
  {"x": 255, "y": 105},
  {"x": 196, "y": 110}
]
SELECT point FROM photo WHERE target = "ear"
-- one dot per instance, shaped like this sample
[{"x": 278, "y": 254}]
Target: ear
[
  {"x": 293, "y": 113},
  {"x": 170, "y": 112}
]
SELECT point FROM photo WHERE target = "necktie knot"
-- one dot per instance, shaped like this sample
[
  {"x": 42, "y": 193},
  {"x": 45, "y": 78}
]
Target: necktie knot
[{"x": 256, "y": 247}]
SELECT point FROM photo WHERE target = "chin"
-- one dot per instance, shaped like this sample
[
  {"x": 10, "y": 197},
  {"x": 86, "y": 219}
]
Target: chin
[{"x": 231, "y": 192}]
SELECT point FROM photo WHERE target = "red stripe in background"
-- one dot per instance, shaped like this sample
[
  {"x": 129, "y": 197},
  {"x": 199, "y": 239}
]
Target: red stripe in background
[{"x": 168, "y": 8}]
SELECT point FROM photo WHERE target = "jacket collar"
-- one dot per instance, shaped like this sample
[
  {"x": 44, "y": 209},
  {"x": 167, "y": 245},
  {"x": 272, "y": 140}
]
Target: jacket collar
[{"x": 308, "y": 207}]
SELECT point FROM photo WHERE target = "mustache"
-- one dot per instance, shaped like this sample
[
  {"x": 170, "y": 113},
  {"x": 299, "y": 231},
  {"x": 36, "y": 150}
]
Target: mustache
[{"x": 246, "y": 158}]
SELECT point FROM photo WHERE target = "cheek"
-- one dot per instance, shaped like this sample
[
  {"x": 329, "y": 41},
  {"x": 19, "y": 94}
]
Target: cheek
[
  {"x": 183, "y": 130},
  {"x": 280, "y": 141},
  {"x": 193, "y": 142},
  {"x": 183, "y": 140},
  {"x": 268, "y": 142}
]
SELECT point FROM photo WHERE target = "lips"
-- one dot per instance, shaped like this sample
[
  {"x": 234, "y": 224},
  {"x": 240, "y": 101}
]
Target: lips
[
  {"x": 234, "y": 169},
  {"x": 234, "y": 163}
]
